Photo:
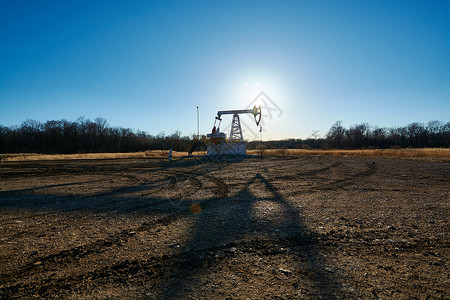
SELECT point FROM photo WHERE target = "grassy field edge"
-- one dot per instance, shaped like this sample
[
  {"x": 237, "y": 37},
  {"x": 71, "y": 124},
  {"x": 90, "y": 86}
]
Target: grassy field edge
[{"x": 439, "y": 154}]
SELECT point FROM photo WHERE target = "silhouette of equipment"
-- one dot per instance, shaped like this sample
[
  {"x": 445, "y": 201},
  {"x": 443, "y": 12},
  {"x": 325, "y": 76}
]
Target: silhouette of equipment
[{"x": 235, "y": 145}]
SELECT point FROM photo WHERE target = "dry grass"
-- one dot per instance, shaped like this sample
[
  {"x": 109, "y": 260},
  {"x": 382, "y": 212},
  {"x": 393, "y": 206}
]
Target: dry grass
[
  {"x": 441, "y": 154},
  {"x": 37, "y": 157}
]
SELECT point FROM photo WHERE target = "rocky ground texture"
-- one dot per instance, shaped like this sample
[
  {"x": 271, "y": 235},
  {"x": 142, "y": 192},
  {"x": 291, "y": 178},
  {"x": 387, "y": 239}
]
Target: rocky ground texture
[{"x": 292, "y": 227}]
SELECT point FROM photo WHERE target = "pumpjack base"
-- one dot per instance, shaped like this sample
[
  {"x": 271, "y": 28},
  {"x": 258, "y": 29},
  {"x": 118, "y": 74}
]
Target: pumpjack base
[{"x": 235, "y": 148}]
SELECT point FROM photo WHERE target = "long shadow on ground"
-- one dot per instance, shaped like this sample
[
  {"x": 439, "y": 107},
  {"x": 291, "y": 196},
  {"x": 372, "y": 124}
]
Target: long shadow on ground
[
  {"x": 236, "y": 249},
  {"x": 228, "y": 242}
]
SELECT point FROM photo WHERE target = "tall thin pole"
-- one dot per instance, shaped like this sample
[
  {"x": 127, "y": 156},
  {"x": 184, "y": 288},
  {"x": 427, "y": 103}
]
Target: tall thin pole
[
  {"x": 260, "y": 139},
  {"x": 260, "y": 132},
  {"x": 198, "y": 125}
]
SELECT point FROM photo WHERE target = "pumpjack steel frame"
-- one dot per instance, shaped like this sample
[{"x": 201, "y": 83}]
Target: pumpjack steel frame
[{"x": 235, "y": 145}]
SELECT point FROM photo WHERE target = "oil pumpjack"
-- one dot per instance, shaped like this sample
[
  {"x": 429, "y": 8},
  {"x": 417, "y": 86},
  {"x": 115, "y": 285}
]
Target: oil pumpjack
[{"x": 217, "y": 144}]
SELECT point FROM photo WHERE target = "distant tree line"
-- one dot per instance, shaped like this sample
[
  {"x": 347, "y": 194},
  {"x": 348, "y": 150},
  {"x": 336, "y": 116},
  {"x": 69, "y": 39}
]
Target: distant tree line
[
  {"x": 83, "y": 136},
  {"x": 365, "y": 136},
  {"x": 86, "y": 136},
  {"x": 416, "y": 135}
]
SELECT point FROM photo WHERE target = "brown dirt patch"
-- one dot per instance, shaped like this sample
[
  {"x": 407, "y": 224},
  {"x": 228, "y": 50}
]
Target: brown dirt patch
[{"x": 293, "y": 227}]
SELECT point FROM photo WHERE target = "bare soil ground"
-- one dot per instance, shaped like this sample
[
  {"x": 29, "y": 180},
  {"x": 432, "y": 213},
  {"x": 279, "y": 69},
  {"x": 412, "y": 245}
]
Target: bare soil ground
[{"x": 297, "y": 227}]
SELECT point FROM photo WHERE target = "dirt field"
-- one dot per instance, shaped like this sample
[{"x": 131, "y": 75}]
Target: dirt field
[{"x": 306, "y": 227}]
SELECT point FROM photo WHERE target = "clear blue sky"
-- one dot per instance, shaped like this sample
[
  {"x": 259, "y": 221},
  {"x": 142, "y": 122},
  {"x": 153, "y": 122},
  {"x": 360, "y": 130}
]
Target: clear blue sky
[{"x": 148, "y": 64}]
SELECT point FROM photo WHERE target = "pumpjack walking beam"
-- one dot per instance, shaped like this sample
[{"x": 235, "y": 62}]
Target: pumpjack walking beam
[{"x": 236, "y": 130}]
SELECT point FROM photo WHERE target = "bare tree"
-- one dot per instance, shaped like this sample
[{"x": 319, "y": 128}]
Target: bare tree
[
  {"x": 434, "y": 129},
  {"x": 416, "y": 134},
  {"x": 315, "y": 134},
  {"x": 336, "y": 135}
]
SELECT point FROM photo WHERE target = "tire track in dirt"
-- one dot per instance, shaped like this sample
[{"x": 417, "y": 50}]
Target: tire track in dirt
[
  {"x": 157, "y": 268},
  {"x": 174, "y": 181},
  {"x": 175, "y": 178},
  {"x": 133, "y": 185},
  {"x": 70, "y": 255},
  {"x": 222, "y": 189},
  {"x": 370, "y": 169},
  {"x": 131, "y": 178},
  {"x": 338, "y": 183},
  {"x": 307, "y": 173},
  {"x": 182, "y": 192},
  {"x": 196, "y": 182}
]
